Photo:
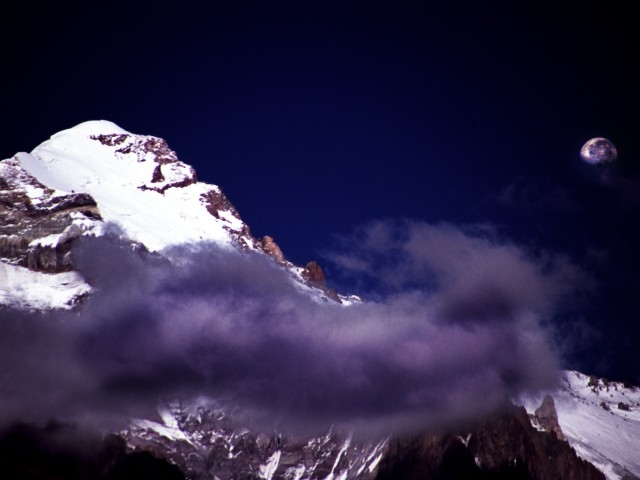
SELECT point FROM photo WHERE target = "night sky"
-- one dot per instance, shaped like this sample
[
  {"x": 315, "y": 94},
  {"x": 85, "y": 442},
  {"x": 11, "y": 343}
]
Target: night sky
[{"x": 316, "y": 118}]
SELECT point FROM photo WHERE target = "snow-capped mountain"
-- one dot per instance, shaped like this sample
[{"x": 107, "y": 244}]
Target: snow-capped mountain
[
  {"x": 96, "y": 179},
  {"x": 209, "y": 441},
  {"x": 97, "y": 176}
]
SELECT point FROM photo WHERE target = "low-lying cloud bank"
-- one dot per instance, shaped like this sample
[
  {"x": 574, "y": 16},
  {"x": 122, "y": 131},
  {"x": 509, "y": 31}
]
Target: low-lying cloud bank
[{"x": 459, "y": 327}]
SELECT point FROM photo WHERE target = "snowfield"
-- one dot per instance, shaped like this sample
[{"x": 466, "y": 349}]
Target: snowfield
[
  {"x": 23, "y": 288},
  {"x": 601, "y": 421}
]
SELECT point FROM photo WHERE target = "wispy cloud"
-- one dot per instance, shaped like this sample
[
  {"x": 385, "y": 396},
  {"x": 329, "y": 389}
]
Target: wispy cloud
[{"x": 537, "y": 196}]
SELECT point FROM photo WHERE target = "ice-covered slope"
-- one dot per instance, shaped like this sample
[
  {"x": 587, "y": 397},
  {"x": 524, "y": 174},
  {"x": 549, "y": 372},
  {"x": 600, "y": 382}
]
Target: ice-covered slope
[{"x": 601, "y": 420}]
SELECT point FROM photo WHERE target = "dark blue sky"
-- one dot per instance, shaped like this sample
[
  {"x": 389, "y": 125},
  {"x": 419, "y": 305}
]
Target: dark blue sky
[{"x": 317, "y": 117}]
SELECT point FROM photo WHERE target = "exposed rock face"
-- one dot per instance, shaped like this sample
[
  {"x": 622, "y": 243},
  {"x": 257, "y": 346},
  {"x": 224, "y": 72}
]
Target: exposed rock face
[
  {"x": 217, "y": 202},
  {"x": 271, "y": 248},
  {"x": 313, "y": 275},
  {"x": 428, "y": 457},
  {"x": 547, "y": 417},
  {"x": 208, "y": 443},
  {"x": 154, "y": 149},
  {"x": 219, "y": 206},
  {"x": 37, "y": 224},
  {"x": 504, "y": 446}
]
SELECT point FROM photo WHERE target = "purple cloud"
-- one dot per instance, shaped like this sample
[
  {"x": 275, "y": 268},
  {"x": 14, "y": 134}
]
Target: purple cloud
[{"x": 459, "y": 330}]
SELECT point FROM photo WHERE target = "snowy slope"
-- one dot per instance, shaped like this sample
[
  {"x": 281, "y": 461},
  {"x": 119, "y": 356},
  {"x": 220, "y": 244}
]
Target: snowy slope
[
  {"x": 594, "y": 418},
  {"x": 134, "y": 183},
  {"x": 23, "y": 288},
  {"x": 117, "y": 169},
  {"x": 596, "y": 426}
]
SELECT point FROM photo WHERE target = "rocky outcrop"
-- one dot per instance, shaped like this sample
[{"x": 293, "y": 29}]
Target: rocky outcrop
[
  {"x": 313, "y": 275},
  {"x": 38, "y": 225},
  {"x": 140, "y": 145},
  {"x": 271, "y": 248},
  {"x": 547, "y": 417},
  {"x": 505, "y": 446},
  {"x": 219, "y": 206},
  {"x": 208, "y": 443},
  {"x": 428, "y": 457},
  {"x": 169, "y": 172}
]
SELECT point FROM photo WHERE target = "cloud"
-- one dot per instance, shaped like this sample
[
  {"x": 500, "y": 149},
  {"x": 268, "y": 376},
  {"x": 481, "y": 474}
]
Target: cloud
[
  {"x": 541, "y": 197},
  {"x": 458, "y": 328},
  {"x": 458, "y": 268}
]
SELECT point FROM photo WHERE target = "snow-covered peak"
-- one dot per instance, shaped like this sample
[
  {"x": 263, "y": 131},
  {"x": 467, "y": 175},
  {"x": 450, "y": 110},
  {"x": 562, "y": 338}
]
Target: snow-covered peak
[
  {"x": 85, "y": 178},
  {"x": 97, "y": 174},
  {"x": 92, "y": 127},
  {"x": 138, "y": 183}
]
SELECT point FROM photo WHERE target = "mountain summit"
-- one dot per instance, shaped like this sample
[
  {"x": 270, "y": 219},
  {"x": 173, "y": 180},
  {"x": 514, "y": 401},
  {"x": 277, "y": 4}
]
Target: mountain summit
[{"x": 97, "y": 177}]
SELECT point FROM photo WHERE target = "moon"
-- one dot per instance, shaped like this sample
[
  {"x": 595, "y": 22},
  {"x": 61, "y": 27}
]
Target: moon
[{"x": 598, "y": 151}]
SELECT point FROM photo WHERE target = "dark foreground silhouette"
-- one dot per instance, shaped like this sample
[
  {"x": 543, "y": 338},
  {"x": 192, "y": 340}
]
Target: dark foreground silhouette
[{"x": 64, "y": 452}]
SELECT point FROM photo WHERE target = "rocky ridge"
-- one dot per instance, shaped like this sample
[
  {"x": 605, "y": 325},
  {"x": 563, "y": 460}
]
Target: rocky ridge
[
  {"x": 503, "y": 446},
  {"x": 207, "y": 442}
]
